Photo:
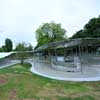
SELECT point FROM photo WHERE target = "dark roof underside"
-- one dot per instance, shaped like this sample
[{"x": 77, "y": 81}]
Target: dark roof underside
[{"x": 71, "y": 43}]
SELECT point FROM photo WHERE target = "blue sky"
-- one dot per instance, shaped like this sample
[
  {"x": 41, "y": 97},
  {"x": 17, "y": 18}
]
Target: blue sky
[{"x": 20, "y": 18}]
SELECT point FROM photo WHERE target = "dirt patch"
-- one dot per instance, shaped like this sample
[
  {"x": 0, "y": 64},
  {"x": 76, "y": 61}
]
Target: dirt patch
[
  {"x": 3, "y": 79},
  {"x": 51, "y": 92},
  {"x": 12, "y": 94},
  {"x": 29, "y": 99}
]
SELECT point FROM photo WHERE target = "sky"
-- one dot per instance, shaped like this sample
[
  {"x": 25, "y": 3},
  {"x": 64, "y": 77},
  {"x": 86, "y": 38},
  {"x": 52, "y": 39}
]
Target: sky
[{"x": 19, "y": 19}]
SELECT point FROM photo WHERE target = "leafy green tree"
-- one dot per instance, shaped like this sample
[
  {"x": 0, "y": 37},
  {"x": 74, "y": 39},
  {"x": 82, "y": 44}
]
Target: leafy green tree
[
  {"x": 21, "y": 54},
  {"x": 78, "y": 34},
  {"x": 29, "y": 47},
  {"x": 50, "y": 32},
  {"x": 24, "y": 47},
  {"x": 8, "y": 45},
  {"x": 1, "y": 50},
  {"x": 91, "y": 29},
  {"x": 21, "y": 47},
  {"x": 4, "y": 49}
]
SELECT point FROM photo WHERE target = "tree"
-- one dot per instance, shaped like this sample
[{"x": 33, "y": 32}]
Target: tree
[
  {"x": 21, "y": 47},
  {"x": 1, "y": 49},
  {"x": 8, "y": 45},
  {"x": 78, "y": 34},
  {"x": 50, "y": 32},
  {"x": 91, "y": 29},
  {"x": 4, "y": 49},
  {"x": 29, "y": 47},
  {"x": 21, "y": 54}
]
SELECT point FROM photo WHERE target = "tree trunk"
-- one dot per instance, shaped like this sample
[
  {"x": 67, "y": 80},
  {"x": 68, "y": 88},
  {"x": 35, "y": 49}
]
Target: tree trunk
[{"x": 22, "y": 61}]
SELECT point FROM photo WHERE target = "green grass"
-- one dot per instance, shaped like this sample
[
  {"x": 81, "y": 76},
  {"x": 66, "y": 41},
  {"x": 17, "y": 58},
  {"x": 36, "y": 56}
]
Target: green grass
[{"x": 18, "y": 83}]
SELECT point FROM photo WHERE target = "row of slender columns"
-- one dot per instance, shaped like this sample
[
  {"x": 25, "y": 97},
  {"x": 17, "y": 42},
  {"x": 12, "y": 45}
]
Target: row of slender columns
[{"x": 76, "y": 51}]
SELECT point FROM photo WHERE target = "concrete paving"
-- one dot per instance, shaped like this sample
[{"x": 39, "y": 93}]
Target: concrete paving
[{"x": 7, "y": 63}]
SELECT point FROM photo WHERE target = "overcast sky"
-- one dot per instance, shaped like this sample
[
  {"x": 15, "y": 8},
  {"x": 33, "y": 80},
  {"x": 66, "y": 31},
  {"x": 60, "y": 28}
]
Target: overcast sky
[{"x": 20, "y": 18}]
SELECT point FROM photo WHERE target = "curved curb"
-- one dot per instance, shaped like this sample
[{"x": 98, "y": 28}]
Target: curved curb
[
  {"x": 7, "y": 65},
  {"x": 65, "y": 79}
]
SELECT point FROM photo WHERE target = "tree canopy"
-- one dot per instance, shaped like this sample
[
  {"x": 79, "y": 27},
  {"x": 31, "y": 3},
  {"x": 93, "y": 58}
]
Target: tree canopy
[
  {"x": 22, "y": 47},
  {"x": 50, "y": 32},
  {"x": 8, "y": 46},
  {"x": 91, "y": 29}
]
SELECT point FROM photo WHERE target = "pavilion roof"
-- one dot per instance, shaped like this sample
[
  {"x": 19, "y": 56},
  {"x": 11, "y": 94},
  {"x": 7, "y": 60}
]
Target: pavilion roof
[{"x": 71, "y": 43}]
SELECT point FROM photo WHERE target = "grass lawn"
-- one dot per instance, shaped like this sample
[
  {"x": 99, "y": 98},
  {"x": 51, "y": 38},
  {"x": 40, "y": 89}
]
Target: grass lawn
[{"x": 18, "y": 83}]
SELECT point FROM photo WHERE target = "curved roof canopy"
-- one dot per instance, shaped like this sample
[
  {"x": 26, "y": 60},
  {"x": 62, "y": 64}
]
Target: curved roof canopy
[{"x": 71, "y": 43}]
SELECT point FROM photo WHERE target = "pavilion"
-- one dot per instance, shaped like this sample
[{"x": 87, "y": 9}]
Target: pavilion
[{"x": 69, "y": 55}]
